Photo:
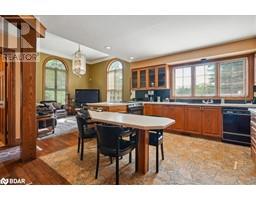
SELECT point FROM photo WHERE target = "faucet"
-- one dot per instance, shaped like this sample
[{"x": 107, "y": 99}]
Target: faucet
[{"x": 208, "y": 101}]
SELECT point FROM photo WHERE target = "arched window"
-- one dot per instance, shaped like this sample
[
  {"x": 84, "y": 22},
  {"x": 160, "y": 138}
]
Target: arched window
[
  {"x": 115, "y": 81},
  {"x": 55, "y": 81}
]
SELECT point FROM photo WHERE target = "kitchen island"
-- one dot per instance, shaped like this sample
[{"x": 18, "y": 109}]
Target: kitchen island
[{"x": 140, "y": 122}]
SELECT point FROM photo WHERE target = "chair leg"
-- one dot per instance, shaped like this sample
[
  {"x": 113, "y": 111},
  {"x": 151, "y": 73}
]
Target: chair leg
[
  {"x": 111, "y": 159},
  {"x": 117, "y": 170},
  {"x": 130, "y": 157},
  {"x": 78, "y": 145},
  {"x": 97, "y": 164},
  {"x": 162, "y": 150},
  {"x": 157, "y": 159},
  {"x": 82, "y": 150}
]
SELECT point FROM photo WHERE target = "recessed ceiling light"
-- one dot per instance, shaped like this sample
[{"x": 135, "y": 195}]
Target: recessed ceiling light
[
  {"x": 131, "y": 58},
  {"x": 108, "y": 47}
]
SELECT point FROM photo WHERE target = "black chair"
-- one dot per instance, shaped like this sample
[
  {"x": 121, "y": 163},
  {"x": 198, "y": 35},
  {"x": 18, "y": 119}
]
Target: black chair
[
  {"x": 84, "y": 131},
  {"x": 110, "y": 143},
  {"x": 156, "y": 139}
]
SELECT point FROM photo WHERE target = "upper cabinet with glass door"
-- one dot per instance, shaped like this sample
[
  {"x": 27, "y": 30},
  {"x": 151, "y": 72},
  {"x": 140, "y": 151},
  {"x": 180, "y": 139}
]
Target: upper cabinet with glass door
[
  {"x": 135, "y": 79},
  {"x": 162, "y": 76},
  {"x": 143, "y": 79},
  {"x": 151, "y": 78}
]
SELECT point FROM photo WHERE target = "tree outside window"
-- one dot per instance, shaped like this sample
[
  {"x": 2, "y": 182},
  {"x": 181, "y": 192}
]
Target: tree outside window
[{"x": 55, "y": 81}]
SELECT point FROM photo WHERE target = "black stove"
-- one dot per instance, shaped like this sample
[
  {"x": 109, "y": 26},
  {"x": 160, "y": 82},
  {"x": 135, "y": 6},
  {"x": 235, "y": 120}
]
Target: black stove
[{"x": 135, "y": 108}]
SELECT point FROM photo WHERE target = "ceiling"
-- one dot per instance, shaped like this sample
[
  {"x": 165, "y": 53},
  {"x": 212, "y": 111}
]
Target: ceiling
[
  {"x": 144, "y": 37},
  {"x": 59, "y": 46}
]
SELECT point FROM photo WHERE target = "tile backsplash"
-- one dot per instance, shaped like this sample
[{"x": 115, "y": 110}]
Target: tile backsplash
[{"x": 142, "y": 95}]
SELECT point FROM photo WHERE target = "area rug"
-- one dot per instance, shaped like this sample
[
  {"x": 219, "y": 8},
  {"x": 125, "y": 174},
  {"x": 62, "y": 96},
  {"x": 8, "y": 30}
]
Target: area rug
[
  {"x": 188, "y": 160},
  {"x": 64, "y": 126},
  {"x": 12, "y": 153}
]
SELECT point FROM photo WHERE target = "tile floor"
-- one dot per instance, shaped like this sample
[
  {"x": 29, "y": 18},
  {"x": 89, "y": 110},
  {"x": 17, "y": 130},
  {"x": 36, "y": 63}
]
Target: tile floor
[{"x": 188, "y": 160}]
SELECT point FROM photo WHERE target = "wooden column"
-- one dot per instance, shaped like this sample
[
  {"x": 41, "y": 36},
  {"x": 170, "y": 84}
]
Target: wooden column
[
  {"x": 143, "y": 151},
  {"x": 28, "y": 102}
]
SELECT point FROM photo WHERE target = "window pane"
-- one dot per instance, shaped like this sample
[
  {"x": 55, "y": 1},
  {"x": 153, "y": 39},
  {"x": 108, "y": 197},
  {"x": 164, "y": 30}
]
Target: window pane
[
  {"x": 61, "y": 97},
  {"x": 205, "y": 80},
  {"x": 50, "y": 79},
  {"x": 183, "y": 82},
  {"x": 49, "y": 95},
  {"x": 115, "y": 81},
  {"x": 55, "y": 81},
  {"x": 232, "y": 78},
  {"x": 61, "y": 80},
  {"x": 55, "y": 64}
]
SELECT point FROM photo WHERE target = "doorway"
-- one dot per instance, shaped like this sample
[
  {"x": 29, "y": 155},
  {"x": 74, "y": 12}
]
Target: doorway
[{"x": 3, "y": 113}]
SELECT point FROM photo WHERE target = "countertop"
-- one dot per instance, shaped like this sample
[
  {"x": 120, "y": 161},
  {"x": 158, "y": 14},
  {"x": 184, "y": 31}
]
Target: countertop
[
  {"x": 131, "y": 120},
  {"x": 202, "y": 104},
  {"x": 176, "y": 103},
  {"x": 253, "y": 110}
]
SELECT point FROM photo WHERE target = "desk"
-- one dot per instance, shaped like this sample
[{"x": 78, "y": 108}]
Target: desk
[{"x": 142, "y": 123}]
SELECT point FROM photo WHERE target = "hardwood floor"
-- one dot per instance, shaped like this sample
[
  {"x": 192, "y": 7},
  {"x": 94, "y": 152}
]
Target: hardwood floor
[{"x": 36, "y": 171}]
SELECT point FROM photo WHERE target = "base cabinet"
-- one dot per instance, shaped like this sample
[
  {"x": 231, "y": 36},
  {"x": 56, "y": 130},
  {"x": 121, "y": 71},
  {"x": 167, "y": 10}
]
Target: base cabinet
[
  {"x": 193, "y": 119},
  {"x": 200, "y": 120},
  {"x": 176, "y": 113},
  {"x": 211, "y": 121},
  {"x": 253, "y": 136}
]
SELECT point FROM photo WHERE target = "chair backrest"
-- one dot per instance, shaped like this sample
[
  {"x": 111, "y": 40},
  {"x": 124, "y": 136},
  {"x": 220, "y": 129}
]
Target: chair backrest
[
  {"x": 81, "y": 123},
  {"x": 85, "y": 113},
  {"x": 108, "y": 136}
]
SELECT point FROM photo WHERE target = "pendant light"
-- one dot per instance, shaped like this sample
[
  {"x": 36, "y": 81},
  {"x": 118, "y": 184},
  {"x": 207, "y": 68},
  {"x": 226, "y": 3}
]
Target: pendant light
[{"x": 79, "y": 63}]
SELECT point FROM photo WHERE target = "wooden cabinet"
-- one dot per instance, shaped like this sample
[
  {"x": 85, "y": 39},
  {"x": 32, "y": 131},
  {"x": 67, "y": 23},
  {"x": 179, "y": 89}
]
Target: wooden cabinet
[
  {"x": 200, "y": 120},
  {"x": 211, "y": 121},
  {"x": 253, "y": 136},
  {"x": 153, "y": 110},
  {"x": 135, "y": 78},
  {"x": 157, "y": 110},
  {"x": 161, "y": 77},
  {"x": 193, "y": 119},
  {"x": 148, "y": 109},
  {"x": 176, "y": 113},
  {"x": 203, "y": 120},
  {"x": 143, "y": 79},
  {"x": 151, "y": 78}
]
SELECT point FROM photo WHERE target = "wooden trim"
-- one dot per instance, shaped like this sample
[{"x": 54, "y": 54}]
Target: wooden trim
[
  {"x": 28, "y": 105},
  {"x": 44, "y": 70},
  {"x": 249, "y": 78},
  {"x": 33, "y": 23},
  {"x": 10, "y": 99},
  {"x": 238, "y": 47}
]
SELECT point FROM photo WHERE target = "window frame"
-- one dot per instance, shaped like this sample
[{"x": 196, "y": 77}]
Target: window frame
[
  {"x": 55, "y": 70},
  {"x": 107, "y": 73},
  {"x": 249, "y": 77}
]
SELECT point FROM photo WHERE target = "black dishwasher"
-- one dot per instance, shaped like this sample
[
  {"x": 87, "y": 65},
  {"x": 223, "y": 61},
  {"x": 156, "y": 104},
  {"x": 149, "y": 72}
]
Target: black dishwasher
[{"x": 236, "y": 126}]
